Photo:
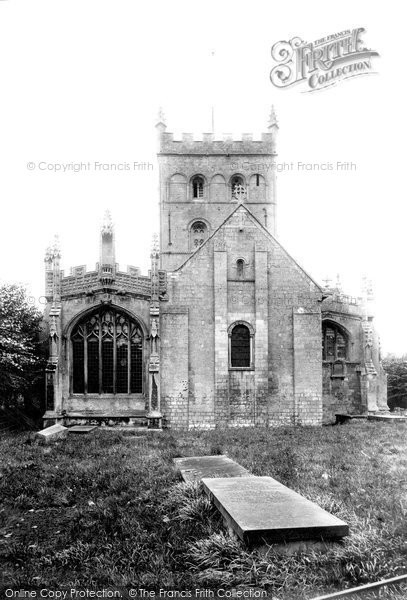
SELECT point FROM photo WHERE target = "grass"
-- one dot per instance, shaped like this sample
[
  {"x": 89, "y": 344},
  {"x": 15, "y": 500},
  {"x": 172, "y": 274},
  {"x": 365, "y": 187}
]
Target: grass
[{"x": 112, "y": 511}]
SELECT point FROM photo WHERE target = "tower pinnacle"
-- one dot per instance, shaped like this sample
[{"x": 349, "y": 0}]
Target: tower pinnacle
[
  {"x": 161, "y": 118},
  {"x": 107, "y": 225},
  {"x": 107, "y": 264},
  {"x": 272, "y": 119}
]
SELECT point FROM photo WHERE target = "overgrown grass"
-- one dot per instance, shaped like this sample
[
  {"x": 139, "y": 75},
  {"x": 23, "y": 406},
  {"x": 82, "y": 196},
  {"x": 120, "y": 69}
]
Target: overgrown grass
[{"x": 112, "y": 511}]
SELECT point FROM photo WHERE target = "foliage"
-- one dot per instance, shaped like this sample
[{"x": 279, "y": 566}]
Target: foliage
[
  {"x": 396, "y": 369},
  {"x": 21, "y": 353},
  {"x": 111, "y": 511}
]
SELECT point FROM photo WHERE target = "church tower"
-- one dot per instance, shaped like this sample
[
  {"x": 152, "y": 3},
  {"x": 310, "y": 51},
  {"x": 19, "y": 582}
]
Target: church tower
[{"x": 202, "y": 182}]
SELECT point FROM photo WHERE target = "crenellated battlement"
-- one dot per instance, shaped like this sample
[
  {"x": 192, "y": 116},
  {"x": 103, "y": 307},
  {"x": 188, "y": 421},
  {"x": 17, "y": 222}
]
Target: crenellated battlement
[
  {"x": 344, "y": 299},
  {"x": 202, "y": 179},
  {"x": 208, "y": 145},
  {"x": 107, "y": 276},
  {"x": 80, "y": 271},
  {"x": 339, "y": 303},
  {"x": 80, "y": 281}
]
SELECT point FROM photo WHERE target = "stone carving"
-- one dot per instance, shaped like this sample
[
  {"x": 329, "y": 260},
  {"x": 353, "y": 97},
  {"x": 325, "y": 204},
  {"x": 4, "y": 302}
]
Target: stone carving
[
  {"x": 154, "y": 336},
  {"x": 107, "y": 226},
  {"x": 219, "y": 245},
  {"x": 239, "y": 192},
  {"x": 154, "y": 364},
  {"x": 154, "y": 308},
  {"x": 53, "y": 334},
  {"x": 158, "y": 289}
]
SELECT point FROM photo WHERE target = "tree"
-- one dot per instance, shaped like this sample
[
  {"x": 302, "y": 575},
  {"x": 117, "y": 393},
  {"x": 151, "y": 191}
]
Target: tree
[
  {"x": 396, "y": 369},
  {"x": 22, "y": 359}
]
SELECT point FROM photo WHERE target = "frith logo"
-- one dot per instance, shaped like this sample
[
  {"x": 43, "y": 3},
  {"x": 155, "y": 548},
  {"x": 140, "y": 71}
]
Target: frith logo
[{"x": 322, "y": 63}]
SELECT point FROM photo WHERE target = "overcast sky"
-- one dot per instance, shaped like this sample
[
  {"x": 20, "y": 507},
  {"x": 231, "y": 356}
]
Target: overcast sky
[{"x": 82, "y": 81}]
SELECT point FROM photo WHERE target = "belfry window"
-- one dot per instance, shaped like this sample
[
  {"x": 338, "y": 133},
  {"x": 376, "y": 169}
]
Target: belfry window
[
  {"x": 107, "y": 355},
  {"x": 238, "y": 188},
  {"x": 240, "y": 347},
  {"x": 199, "y": 233},
  {"x": 334, "y": 343},
  {"x": 197, "y": 187}
]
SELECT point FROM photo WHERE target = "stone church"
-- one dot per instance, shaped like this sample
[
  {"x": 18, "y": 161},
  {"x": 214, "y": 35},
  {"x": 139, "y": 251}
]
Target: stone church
[{"x": 226, "y": 330}]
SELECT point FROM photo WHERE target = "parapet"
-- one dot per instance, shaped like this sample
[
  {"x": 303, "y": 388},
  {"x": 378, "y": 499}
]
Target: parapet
[
  {"x": 208, "y": 145},
  {"x": 80, "y": 281},
  {"x": 342, "y": 303}
]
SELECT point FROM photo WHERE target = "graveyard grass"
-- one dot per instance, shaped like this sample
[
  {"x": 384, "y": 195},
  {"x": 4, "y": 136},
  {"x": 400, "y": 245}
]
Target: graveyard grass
[{"x": 110, "y": 510}]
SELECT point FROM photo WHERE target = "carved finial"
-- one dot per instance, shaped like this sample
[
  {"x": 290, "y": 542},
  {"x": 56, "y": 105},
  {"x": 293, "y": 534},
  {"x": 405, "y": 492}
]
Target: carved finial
[
  {"x": 48, "y": 254},
  {"x": 155, "y": 248},
  {"x": 161, "y": 116},
  {"x": 107, "y": 225},
  {"x": 272, "y": 119},
  {"x": 338, "y": 283},
  {"x": 54, "y": 250},
  {"x": 327, "y": 281},
  {"x": 367, "y": 288}
]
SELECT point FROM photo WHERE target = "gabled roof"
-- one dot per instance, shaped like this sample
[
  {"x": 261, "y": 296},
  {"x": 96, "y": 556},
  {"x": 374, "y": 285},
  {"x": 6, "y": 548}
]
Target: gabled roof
[{"x": 262, "y": 229}]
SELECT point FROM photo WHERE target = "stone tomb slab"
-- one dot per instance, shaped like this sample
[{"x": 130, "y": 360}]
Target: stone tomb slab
[
  {"x": 194, "y": 468},
  {"x": 262, "y": 510},
  {"x": 51, "y": 434},
  {"x": 82, "y": 428}
]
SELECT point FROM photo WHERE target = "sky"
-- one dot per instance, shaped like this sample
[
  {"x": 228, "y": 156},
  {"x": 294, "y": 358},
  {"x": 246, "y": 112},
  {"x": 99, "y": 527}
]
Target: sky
[{"x": 82, "y": 83}]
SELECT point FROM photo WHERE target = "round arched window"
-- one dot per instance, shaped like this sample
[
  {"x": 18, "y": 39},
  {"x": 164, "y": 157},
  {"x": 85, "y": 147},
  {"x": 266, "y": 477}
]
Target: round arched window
[
  {"x": 197, "y": 187},
  {"x": 238, "y": 188},
  {"x": 240, "y": 347},
  {"x": 199, "y": 233}
]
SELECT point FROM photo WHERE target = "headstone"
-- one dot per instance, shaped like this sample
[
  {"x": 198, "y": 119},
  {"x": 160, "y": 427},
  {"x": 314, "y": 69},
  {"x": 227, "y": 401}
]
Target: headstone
[
  {"x": 82, "y": 428},
  {"x": 262, "y": 510},
  {"x": 194, "y": 468},
  {"x": 50, "y": 434}
]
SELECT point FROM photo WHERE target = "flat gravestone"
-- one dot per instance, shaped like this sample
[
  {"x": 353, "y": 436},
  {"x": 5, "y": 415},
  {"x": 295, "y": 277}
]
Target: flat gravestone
[
  {"x": 194, "y": 468},
  {"x": 50, "y": 434},
  {"x": 82, "y": 428},
  {"x": 260, "y": 509},
  {"x": 388, "y": 418}
]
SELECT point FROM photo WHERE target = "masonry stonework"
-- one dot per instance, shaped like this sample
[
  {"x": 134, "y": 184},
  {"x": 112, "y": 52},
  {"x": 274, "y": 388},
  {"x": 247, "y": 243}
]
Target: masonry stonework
[{"x": 227, "y": 330}]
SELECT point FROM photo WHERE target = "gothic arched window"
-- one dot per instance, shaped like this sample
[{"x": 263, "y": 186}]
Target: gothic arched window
[
  {"x": 107, "y": 354},
  {"x": 197, "y": 187},
  {"x": 334, "y": 343},
  {"x": 240, "y": 346},
  {"x": 238, "y": 188},
  {"x": 199, "y": 233}
]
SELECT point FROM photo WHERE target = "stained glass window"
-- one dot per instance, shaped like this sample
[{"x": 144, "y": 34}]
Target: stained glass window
[
  {"x": 334, "y": 343},
  {"x": 107, "y": 355}
]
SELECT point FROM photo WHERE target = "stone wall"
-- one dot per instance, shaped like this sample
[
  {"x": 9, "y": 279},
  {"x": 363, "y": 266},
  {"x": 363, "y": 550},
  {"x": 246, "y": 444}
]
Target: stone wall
[
  {"x": 73, "y": 308},
  {"x": 216, "y": 162},
  {"x": 263, "y": 298},
  {"x": 341, "y": 395},
  {"x": 364, "y": 384},
  {"x": 174, "y": 366}
]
